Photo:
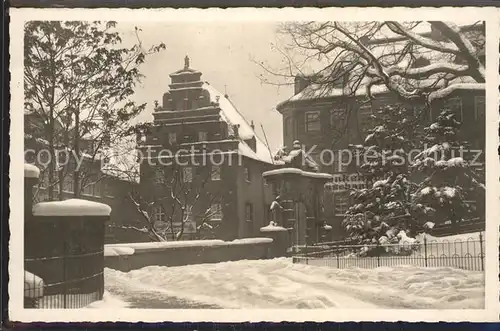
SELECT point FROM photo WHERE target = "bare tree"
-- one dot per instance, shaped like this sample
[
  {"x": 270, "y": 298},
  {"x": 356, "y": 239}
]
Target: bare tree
[
  {"x": 182, "y": 198},
  {"x": 79, "y": 80},
  {"x": 363, "y": 57}
]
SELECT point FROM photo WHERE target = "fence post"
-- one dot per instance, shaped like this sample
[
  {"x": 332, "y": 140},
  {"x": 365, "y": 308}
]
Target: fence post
[
  {"x": 378, "y": 255},
  {"x": 65, "y": 272},
  {"x": 481, "y": 249},
  {"x": 425, "y": 250}
]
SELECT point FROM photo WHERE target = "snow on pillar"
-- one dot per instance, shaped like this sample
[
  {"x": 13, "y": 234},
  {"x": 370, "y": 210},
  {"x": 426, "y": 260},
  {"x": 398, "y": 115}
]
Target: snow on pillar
[
  {"x": 31, "y": 174},
  {"x": 33, "y": 290},
  {"x": 70, "y": 235}
]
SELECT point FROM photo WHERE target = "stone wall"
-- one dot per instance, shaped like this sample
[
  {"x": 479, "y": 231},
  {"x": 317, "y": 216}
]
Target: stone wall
[{"x": 126, "y": 257}]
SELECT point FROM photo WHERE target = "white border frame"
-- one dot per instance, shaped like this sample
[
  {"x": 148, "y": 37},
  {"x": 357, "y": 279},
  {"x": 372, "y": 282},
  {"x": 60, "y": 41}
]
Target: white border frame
[{"x": 18, "y": 313}]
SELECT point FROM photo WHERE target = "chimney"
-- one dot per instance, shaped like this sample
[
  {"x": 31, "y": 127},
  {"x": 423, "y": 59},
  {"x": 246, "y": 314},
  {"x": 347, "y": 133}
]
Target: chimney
[
  {"x": 236, "y": 130},
  {"x": 253, "y": 126},
  {"x": 301, "y": 82}
]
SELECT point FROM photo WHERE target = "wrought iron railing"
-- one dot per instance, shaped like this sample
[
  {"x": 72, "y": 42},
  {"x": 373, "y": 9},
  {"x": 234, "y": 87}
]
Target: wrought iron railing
[
  {"x": 463, "y": 254},
  {"x": 64, "y": 262}
]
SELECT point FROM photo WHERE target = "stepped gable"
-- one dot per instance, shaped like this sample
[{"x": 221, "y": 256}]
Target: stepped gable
[{"x": 190, "y": 99}]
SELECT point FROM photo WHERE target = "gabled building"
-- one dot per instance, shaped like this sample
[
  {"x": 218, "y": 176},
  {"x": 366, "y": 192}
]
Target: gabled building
[{"x": 201, "y": 150}]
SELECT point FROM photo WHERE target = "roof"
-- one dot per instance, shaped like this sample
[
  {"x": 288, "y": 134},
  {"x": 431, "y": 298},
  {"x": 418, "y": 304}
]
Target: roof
[
  {"x": 232, "y": 116},
  {"x": 386, "y": 43},
  {"x": 295, "y": 171},
  {"x": 324, "y": 91},
  {"x": 185, "y": 71}
]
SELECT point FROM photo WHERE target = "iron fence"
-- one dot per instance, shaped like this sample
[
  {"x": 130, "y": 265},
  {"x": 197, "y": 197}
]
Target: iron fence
[
  {"x": 465, "y": 254},
  {"x": 64, "y": 261}
]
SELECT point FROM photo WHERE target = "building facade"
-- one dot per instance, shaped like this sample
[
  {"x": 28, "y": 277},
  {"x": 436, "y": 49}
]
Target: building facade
[
  {"x": 101, "y": 181},
  {"x": 328, "y": 119},
  {"x": 202, "y": 164}
]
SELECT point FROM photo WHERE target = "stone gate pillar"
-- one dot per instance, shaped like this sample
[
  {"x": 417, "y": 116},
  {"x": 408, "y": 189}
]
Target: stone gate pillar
[
  {"x": 31, "y": 174},
  {"x": 64, "y": 246}
]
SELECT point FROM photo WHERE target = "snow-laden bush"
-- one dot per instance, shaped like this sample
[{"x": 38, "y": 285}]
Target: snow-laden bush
[{"x": 403, "y": 198}]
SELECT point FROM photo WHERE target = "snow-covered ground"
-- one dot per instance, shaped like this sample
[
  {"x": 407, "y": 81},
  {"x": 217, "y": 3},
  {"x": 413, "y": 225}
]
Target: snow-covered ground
[
  {"x": 473, "y": 236},
  {"x": 464, "y": 251},
  {"x": 279, "y": 283},
  {"x": 108, "y": 302}
]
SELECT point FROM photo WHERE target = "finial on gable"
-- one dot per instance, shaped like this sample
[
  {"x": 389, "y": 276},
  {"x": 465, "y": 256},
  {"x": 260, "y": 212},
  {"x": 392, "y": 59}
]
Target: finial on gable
[{"x": 186, "y": 62}]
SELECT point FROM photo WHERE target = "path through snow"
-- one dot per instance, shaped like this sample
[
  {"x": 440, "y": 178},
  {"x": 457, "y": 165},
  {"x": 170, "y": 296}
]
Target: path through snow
[{"x": 279, "y": 283}]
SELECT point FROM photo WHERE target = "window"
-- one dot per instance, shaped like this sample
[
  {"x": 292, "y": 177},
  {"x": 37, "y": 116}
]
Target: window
[
  {"x": 97, "y": 189},
  {"x": 455, "y": 105},
  {"x": 172, "y": 138},
  {"x": 340, "y": 203},
  {"x": 189, "y": 138},
  {"x": 337, "y": 119},
  {"x": 249, "y": 212},
  {"x": 88, "y": 188},
  {"x": 215, "y": 175},
  {"x": 186, "y": 104},
  {"x": 364, "y": 115},
  {"x": 216, "y": 212},
  {"x": 313, "y": 121},
  {"x": 158, "y": 214},
  {"x": 68, "y": 184},
  {"x": 479, "y": 108},
  {"x": 187, "y": 174},
  {"x": 158, "y": 176},
  {"x": 89, "y": 146},
  {"x": 202, "y": 136},
  {"x": 107, "y": 191},
  {"x": 247, "y": 174}
]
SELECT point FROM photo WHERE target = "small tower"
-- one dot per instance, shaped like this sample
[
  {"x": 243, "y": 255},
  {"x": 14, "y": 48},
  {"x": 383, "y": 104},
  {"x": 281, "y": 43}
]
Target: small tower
[{"x": 186, "y": 62}]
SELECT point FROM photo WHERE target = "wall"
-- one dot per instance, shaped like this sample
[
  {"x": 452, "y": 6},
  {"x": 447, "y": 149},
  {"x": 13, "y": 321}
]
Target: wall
[
  {"x": 324, "y": 138},
  {"x": 136, "y": 256},
  {"x": 473, "y": 131},
  {"x": 257, "y": 194}
]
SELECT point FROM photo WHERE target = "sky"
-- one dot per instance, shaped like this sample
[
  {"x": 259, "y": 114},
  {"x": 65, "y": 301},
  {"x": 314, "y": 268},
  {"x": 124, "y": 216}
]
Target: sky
[{"x": 225, "y": 53}]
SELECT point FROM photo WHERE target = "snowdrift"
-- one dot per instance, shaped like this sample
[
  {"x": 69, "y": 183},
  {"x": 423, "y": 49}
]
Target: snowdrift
[{"x": 279, "y": 283}]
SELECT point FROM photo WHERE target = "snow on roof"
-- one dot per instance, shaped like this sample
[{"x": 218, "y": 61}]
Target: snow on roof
[
  {"x": 322, "y": 91},
  {"x": 297, "y": 172},
  {"x": 186, "y": 71},
  {"x": 31, "y": 171},
  {"x": 229, "y": 112},
  {"x": 71, "y": 207},
  {"x": 232, "y": 116}
]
